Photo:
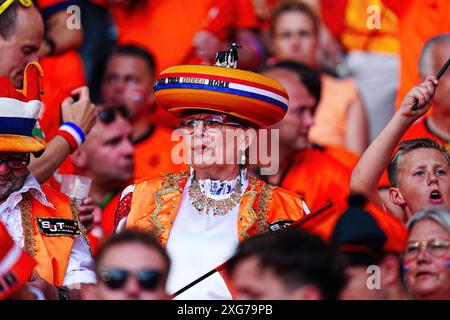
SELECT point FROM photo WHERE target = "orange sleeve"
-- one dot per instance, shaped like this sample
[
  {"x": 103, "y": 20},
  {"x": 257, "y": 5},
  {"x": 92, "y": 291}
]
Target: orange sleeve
[
  {"x": 333, "y": 15},
  {"x": 399, "y": 7},
  {"x": 246, "y": 15}
]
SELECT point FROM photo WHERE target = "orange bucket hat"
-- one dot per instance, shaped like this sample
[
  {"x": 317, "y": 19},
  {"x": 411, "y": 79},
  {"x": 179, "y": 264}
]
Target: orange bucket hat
[{"x": 243, "y": 94}]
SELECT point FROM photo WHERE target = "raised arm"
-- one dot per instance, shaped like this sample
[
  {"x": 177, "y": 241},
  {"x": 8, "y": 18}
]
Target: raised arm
[
  {"x": 375, "y": 159},
  {"x": 81, "y": 113},
  {"x": 356, "y": 135}
]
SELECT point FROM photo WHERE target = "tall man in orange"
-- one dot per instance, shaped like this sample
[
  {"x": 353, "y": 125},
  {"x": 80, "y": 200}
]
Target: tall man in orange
[
  {"x": 128, "y": 81},
  {"x": 305, "y": 168},
  {"x": 41, "y": 220}
]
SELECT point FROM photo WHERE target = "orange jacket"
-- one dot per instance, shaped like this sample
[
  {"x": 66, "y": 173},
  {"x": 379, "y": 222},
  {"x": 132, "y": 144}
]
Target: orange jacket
[
  {"x": 48, "y": 245},
  {"x": 318, "y": 178},
  {"x": 263, "y": 207}
]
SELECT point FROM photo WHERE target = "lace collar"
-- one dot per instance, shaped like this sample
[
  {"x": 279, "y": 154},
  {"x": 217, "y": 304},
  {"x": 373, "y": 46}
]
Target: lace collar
[{"x": 213, "y": 188}]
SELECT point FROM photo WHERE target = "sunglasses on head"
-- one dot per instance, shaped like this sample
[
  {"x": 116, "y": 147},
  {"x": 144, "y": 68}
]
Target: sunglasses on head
[
  {"x": 116, "y": 278},
  {"x": 108, "y": 115},
  {"x": 7, "y": 3}
]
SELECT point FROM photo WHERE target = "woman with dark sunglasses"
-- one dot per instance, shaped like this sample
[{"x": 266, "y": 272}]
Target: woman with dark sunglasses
[{"x": 202, "y": 215}]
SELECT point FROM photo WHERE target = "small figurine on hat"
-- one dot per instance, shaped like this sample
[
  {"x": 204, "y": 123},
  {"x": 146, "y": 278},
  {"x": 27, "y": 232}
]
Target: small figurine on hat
[{"x": 228, "y": 59}]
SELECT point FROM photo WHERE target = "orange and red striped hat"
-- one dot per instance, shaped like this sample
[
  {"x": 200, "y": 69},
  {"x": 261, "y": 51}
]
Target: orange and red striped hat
[{"x": 243, "y": 94}]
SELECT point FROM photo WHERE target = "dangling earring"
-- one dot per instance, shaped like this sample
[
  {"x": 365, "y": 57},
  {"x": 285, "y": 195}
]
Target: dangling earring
[{"x": 243, "y": 158}]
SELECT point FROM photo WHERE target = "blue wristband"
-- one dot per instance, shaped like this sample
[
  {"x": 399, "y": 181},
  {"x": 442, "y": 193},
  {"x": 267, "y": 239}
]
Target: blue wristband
[{"x": 77, "y": 130}]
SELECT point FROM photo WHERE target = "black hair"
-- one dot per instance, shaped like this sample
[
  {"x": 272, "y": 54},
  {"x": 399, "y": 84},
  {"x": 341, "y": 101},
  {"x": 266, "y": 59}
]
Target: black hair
[
  {"x": 138, "y": 52},
  {"x": 298, "y": 258},
  {"x": 307, "y": 76},
  {"x": 132, "y": 236}
]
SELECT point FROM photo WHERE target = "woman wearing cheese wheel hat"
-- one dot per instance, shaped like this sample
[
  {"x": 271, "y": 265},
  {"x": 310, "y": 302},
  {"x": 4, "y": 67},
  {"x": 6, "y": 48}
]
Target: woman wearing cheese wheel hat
[{"x": 202, "y": 215}]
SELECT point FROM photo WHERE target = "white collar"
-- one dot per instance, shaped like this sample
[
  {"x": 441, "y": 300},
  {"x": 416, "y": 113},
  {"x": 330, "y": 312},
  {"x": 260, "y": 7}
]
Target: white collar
[
  {"x": 35, "y": 189},
  {"x": 214, "y": 188}
]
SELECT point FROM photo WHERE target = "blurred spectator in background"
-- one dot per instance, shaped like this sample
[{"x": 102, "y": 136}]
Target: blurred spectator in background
[
  {"x": 128, "y": 82},
  {"x": 427, "y": 255},
  {"x": 305, "y": 169},
  {"x": 63, "y": 35},
  {"x": 131, "y": 265},
  {"x": 418, "y": 21},
  {"x": 369, "y": 35},
  {"x": 436, "y": 126},
  {"x": 99, "y": 40},
  {"x": 371, "y": 242},
  {"x": 340, "y": 119},
  {"x": 208, "y": 27},
  {"x": 106, "y": 158},
  {"x": 174, "y": 37},
  {"x": 418, "y": 172},
  {"x": 21, "y": 35},
  {"x": 287, "y": 265}
]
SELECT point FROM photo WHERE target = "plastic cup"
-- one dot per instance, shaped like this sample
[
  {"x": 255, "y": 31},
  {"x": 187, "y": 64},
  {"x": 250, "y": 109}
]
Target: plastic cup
[{"x": 75, "y": 187}]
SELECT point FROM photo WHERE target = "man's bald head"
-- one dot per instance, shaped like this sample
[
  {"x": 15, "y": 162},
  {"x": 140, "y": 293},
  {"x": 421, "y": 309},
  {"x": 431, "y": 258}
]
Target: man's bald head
[
  {"x": 434, "y": 55},
  {"x": 21, "y": 34},
  {"x": 430, "y": 61}
]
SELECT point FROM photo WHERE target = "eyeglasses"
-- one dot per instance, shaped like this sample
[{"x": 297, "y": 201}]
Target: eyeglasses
[
  {"x": 435, "y": 247},
  {"x": 15, "y": 164},
  {"x": 214, "y": 123},
  {"x": 108, "y": 115},
  {"x": 116, "y": 278},
  {"x": 7, "y": 3}
]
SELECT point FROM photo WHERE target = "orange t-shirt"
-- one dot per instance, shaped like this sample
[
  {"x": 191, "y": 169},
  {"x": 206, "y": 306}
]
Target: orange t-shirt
[
  {"x": 357, "y": 36},
  {"x": 418, "y": 130},
  {"x": 152, "y": 155},
  {"x": 331, "y": 185},
  {"x": 345, "y": 157},
  {"x": 165, "y": 29},
  {"x": 62, "y": 74},
  {"x": 419, "y": 20},
  {"x": 330, "y": 119}
]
